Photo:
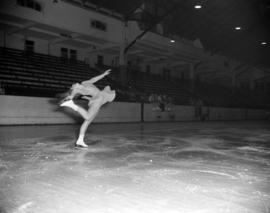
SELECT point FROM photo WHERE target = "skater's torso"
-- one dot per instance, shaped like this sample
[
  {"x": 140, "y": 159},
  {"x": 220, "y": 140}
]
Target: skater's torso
[
  {"x": 86, "y": 89},
  {"x": 97, "y": 100},
  {"x": 98, "y": 97}
]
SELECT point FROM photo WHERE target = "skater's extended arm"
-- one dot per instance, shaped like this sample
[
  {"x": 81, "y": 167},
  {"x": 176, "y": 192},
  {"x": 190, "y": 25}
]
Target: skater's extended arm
[{"x": 97, "y": 78}]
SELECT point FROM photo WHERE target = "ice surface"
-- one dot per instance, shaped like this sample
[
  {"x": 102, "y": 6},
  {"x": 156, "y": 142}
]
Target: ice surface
[{"x": 165, "y": 167}]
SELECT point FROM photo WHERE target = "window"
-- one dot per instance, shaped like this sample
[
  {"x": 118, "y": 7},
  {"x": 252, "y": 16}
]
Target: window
[
  {"x": 182, "y": 75},
  {"x": 244, "y": 85},
  {"x": 64, "y": 52},
  {"x": 65, "y": 35},
  {"x": 99, "y": 25},
  {"x": 30, "y": 4},
  {"x": 37, "y": 7},
  {"x": 29, "y": 46},
  {"x": 73, "y": 55},
  {"x": 166, "y": 74},
  {"x": 169, "y": 74},
  {"x": 148, "y": 69},
  {"x": 100, "y": 60},
  {"x": 21, "y": 3}
]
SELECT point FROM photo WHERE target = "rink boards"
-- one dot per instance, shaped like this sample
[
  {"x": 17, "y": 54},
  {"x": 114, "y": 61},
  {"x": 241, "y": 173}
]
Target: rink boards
[{"x": 17, "y": 110}]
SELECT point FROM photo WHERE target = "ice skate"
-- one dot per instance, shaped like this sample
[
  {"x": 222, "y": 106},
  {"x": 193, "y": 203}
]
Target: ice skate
[{"x": 69, "y": 104}]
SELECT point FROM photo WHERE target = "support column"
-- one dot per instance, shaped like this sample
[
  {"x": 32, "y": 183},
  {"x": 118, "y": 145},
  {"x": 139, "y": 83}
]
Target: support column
[
  {"x": 49, "y": 48},
  {"x": 4, "y": 39},
  {"x": 251, "y": 80},
  {"x": 123, "y": 56},
  {"x": 233, "y": 80},
  {"x": 192, "y": 77},
  {"x": 123, "y": 64},
  {"x": 233, "y": 77}
]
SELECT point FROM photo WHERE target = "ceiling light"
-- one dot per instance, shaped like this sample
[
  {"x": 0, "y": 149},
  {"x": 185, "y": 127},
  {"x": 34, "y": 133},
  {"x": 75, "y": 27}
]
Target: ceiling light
[
  {"x": 172, "y": 41},
  {"x": 237, "y": 28},
  {"x": 198, "y": 6},
  {"x": 264, "y": 43}
]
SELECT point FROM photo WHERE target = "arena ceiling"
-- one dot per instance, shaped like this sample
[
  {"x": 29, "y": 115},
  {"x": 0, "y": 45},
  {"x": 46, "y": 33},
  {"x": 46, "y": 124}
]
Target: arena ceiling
[{"x": 214, "y": 24}]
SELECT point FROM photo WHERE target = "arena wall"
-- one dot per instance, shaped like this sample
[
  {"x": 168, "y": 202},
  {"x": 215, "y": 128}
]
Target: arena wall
[
  {"x": 178, "y": 113},
  {"x": 16, "y": 110},
  {"x": 20, "y": 110},
  {"x": 220, "y": 113},
  {"x": 256, "y": 114}
]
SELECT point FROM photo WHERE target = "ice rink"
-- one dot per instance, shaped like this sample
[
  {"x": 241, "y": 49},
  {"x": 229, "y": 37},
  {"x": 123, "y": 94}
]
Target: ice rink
[{"x": 185, "y": 167}]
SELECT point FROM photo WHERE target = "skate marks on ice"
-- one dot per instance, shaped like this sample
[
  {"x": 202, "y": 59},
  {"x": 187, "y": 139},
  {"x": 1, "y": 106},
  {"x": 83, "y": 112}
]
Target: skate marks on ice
[{"x": 199, "y": 171}]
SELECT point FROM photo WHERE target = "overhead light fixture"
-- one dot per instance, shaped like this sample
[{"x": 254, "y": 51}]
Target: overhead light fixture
[
  {"x": 198, "y": 6},
  {"x": 263, "y": 43},
  {"x": 172, "y": 41},
  {"x": 237, "y": 28}
]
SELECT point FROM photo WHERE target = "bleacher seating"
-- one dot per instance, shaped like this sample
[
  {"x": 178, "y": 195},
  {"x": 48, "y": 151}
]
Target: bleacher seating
[
  {"x": 34, "y": 74},
  {"x": 156, "y": 84}
]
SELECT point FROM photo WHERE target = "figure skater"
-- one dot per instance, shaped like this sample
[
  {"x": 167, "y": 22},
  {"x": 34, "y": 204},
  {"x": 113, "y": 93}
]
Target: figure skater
[{"x": 95, "y": 101}]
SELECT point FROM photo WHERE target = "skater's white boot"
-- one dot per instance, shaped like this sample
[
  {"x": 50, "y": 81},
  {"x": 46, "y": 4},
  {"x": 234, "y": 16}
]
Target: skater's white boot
[
  {"x": 70, "y": 104},
  {"x": 80, "y": 142}
]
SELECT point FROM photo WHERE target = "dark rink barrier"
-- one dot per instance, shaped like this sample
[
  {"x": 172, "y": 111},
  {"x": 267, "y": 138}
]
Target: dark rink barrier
[{"x": 19, "y": 110}]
